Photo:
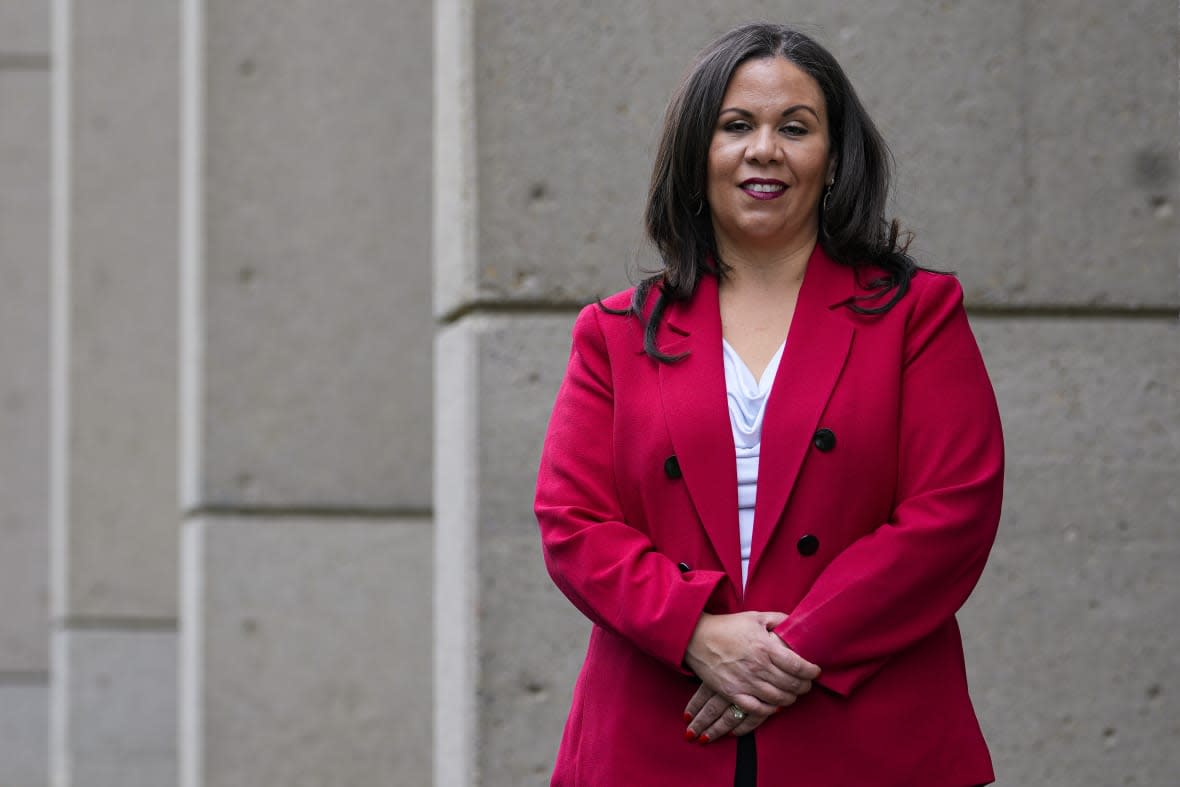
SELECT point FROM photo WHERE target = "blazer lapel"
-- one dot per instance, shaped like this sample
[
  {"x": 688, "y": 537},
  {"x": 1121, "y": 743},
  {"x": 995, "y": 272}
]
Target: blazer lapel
[
  {"x": 693, "y": 394},
  {"x": 817, "y": 348}
]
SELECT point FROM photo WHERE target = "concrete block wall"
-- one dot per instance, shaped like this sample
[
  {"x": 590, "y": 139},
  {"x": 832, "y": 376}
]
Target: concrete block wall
[
  {"x": 1037, "y": 156},
  {"x": 242, "y": 357},
  {"x": 306, "y": 650},
  {"x": 24, "y": 393},
  {"x": 263, "y": 619},
  {"x": 313, "y": 248},
  {"x": 306, "y": 355},
  {"x": 506, "y": 644},
  {"x": 114, "y": 429},
  {"x": 114, "y": 707},
  {"x": 1081, "y": 581}
]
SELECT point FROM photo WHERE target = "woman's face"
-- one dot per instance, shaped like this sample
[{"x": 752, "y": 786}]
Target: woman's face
[{"x": 769, "y": 159}]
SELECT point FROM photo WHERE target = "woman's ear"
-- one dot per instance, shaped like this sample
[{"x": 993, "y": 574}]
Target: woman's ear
[{"x": 831, "y": 177}]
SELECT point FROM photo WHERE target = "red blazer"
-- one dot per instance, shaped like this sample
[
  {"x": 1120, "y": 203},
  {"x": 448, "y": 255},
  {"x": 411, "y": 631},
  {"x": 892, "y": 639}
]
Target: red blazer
[{"x": 879, "y": 491}]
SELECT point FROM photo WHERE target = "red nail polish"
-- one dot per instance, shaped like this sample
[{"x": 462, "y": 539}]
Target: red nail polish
[
  {"x": 689, "y": 735},
  {"x": 703, "y": 739},
  {"x": 687, "y": 717}
]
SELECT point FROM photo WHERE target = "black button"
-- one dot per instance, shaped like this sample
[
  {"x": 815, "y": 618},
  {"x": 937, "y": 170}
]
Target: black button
[
  {"x": 808, "y": 545},
  {"x": 824, "y": 440},
  {"x": 672, "y": 467},
  {"x": 684, "y": 567}
]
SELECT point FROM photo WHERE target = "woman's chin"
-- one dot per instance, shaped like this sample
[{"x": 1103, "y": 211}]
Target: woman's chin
[{"x": 767, "y": 236}]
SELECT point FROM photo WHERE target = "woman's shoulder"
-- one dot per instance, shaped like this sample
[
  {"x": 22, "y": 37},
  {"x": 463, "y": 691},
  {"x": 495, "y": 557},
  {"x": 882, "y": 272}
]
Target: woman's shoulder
[
  {"x": 927, "y": 300},
  {"x": 932, "y": 290},
  {"x": 922, "y": 289},
  {"x": 617, "y": 302},
  {"x": 602, "y": 317},
  {"x": 935, "y": 312},
  {"x": 872, "y": 280}
]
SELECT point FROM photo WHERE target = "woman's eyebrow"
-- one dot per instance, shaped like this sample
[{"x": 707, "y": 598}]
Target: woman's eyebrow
[
  {"x": 805, "y": 107},
  {"x": 788, "y": 111}
]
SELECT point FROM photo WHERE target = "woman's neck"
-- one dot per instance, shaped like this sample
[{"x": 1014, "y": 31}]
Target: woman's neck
[
  {"x": 766, "y": 271},
  {"x": 757, "y": 298}
]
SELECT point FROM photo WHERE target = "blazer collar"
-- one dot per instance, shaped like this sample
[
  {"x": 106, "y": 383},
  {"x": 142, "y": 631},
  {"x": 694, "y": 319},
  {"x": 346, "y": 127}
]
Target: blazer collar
[
  {"x": 817, "y": 348},
  {"x": 693, "y": 394},
  {"x": 826, "y": 283},
  {"x": 696, "y": 409}
]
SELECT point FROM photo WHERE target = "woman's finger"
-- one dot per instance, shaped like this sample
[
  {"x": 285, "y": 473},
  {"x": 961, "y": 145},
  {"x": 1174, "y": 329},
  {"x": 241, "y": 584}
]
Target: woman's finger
[
  {"x": 703, "y": 694},
  {"x": 780, "y": 682},
  {"x": 734, "y": 720},
  {"x": 729, "y": 720},
  {"x": 749, "y": 724},
  {"x": 774, "y": 695},
  {"x": 771, "y": 620},
  {"x": 704, "y": 719},
  {"x": 792, "y": 663}
]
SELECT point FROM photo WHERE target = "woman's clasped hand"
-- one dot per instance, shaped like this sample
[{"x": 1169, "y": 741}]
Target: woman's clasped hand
[{"x": 742, "y": 664}]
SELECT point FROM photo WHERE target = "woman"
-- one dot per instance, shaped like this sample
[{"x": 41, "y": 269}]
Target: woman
[{"x": 773, "y": 471}]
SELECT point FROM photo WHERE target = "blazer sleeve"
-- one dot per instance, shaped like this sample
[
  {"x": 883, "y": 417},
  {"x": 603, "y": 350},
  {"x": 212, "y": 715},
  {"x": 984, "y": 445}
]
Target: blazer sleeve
[
  {"x": 898, "y": 584},
  {"x": 608, "y": 568}
]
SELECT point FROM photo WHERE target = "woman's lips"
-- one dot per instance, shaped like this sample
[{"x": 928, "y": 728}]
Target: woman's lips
[{"x": 759, "y": 188}]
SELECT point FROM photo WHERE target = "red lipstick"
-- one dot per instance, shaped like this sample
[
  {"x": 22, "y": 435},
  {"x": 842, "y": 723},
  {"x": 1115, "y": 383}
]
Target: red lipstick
[{"x": 764, "y": 188}]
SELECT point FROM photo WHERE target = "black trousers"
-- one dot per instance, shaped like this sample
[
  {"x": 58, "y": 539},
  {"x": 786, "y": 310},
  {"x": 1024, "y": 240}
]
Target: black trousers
[{"x": 746, "y": 774}]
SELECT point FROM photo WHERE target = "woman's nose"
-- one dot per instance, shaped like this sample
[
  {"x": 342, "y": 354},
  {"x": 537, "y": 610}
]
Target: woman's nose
[{"x": 764, "y": 146}]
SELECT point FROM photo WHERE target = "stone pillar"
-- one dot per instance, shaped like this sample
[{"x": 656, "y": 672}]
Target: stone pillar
[
  {"x": 114, "y": 413},
  {"x": 306, "y": 394},
  {"x": 24, "y": 393},
  {"x": 1061, "y": 226},
  {"x": 540, "y": 127}
]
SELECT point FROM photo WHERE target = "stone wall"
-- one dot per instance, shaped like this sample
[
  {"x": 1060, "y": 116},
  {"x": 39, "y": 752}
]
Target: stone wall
[
  {"x": 241, "y": 444},
  {"x": 305, "y": 393},
  {"x": 1037, "y": 157},
  {"x": 286, "y": 297},
  {"x": 24, "y": 393},
  {"x": 113, "y": 513}
]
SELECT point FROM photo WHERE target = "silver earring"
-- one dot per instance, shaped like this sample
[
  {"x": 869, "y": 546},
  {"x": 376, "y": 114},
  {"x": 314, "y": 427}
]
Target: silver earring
[
  {"x": 823, "y": 212},
  {"x": 700, "y": 207}
]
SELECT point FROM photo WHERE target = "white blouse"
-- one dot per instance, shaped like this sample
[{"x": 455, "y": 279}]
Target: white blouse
[{"x": 747, "y": 403}]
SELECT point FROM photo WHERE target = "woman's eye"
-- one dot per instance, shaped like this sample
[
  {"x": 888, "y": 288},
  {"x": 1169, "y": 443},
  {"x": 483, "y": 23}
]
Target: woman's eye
[
  {"x": 795, "y": 130},
  {"x": 737, "y": 125}
]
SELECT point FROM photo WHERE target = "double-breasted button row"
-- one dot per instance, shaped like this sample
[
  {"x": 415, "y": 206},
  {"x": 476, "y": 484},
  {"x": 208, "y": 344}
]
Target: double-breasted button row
[
  {"x": 824, "y": 439},
  {"x": 807, "y": 545}
]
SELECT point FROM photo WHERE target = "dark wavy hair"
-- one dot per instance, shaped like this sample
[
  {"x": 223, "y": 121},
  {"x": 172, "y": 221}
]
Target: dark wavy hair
[{"x": 853, "y": 228}]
